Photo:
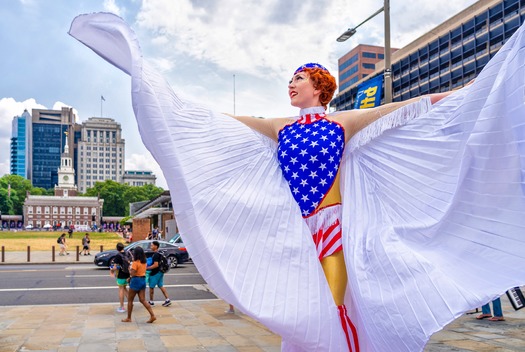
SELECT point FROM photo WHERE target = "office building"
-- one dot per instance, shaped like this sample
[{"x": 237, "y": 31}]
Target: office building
[
  {"x": 100, "y": 152},
  {"x": 47, "y": 133},
  {"x": 19, "y": 145},
  {"x": 448, "y": 56},
  {"x": 139, "y": 178},
  {"x": 359, "y": 63}
]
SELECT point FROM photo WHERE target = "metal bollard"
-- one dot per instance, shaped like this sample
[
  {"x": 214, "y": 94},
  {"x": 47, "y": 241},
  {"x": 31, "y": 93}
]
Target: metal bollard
[
  {"x": 28, "y": 254},
  {"x": 53, "y": 253},
  {"x": 101, "y": 248},
  {"x": 3, "y": 254},
  {"x": 78, "y": 253}
]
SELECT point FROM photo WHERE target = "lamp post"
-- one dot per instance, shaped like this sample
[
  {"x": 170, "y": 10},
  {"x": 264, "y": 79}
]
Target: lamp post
[{"x": 388, "y": 70}]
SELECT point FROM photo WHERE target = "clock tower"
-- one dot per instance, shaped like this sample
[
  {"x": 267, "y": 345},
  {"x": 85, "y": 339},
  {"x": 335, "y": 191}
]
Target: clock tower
[{"x": 66, "y": 174}]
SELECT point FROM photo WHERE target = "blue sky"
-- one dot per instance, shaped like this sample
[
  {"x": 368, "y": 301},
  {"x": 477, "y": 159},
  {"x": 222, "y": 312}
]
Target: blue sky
[{"x": 197, "y": 44}]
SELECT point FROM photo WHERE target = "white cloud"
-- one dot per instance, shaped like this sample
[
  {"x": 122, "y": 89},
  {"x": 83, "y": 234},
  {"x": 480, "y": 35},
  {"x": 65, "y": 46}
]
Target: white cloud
[
  {"x": 10, "y": 108},
  {"x": 111, "y": 6},
  {"x": 245, "y": 36},
  {"x": 146, "y": 162}
]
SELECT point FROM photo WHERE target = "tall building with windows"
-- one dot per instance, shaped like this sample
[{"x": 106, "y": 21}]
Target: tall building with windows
[
  {"x": 19, "y": 144},
  {"x": 139, "y": 178},
  {"x": 448, "y": 56},
  {"x": 46, "y": 140},
  {"x": 100, "y": 152},
  {"x": 359, "y": 63}
]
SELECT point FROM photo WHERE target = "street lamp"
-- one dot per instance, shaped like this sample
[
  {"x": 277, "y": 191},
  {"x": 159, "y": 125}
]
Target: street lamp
[{"x": 388, "y": 71}]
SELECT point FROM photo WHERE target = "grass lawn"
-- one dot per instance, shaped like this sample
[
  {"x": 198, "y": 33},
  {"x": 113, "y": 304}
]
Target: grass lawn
[{"x": 43, "y": 241}]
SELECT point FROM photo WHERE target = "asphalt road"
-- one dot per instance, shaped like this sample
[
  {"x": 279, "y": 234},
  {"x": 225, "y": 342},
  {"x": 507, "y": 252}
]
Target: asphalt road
[{"x": 85, "y": 283}]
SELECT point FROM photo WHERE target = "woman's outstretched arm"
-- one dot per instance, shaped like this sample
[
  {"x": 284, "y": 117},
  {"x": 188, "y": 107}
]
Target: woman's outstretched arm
[
  {"x": 355, "y": 120},
  {"x": 268, "y": 127}
]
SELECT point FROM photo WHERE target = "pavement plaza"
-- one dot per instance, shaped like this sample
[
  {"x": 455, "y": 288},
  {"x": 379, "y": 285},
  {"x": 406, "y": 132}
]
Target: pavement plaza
[{"x": 199, "y": 326}]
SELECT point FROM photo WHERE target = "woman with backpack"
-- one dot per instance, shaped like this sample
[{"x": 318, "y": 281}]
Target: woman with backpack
[
  {"x": 62, "y": 243},
  {"x": 137, "y": 284},
  {"x": 120, "y": 268}
]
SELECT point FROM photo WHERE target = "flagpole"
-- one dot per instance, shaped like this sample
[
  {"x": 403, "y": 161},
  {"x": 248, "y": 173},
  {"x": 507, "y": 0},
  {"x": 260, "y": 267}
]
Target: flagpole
[{"x": 101, "y": 100}]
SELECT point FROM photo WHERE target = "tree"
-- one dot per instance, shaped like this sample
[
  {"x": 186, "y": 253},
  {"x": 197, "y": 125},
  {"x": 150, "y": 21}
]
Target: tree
[
  {"x": 118, "y": 196},
  {"x": 13, "y": 190}
]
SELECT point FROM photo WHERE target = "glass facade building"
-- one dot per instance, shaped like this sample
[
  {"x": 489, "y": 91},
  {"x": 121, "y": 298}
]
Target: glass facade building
[
  {"x": 48, "y": 142},
  {"x": 47, "y": 138},
  {"x": 19, "y": 150},
  {"x": 450, "y": 55}
]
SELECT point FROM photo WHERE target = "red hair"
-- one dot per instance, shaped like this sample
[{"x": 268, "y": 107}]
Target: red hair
[{"x": 323, "y": 81}]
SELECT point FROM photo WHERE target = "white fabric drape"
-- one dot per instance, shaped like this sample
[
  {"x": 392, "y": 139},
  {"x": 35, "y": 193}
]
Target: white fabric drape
[{"x": 433, "y": 209}]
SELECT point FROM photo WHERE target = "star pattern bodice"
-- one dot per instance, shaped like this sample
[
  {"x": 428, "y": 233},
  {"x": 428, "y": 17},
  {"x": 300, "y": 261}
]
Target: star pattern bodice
[{"x": 309, "y": 153}]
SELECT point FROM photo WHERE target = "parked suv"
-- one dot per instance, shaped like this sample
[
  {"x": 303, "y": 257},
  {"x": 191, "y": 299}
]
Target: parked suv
[{"x": 176, "y": 255}]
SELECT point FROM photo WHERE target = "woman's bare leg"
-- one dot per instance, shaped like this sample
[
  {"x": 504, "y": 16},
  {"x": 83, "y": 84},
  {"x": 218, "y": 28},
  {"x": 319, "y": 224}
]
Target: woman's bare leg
[
  {"x": 131, "y": 297},
  {"x": 142, "y": 299}
]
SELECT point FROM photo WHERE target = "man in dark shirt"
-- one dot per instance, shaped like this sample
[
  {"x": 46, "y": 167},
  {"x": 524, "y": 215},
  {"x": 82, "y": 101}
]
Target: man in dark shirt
[
  {"x": 156, "y": 277},
  {"x": 122, "y": 275}
]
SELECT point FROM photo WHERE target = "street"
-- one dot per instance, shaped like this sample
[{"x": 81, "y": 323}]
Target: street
[{"x": 84, "y": 283}]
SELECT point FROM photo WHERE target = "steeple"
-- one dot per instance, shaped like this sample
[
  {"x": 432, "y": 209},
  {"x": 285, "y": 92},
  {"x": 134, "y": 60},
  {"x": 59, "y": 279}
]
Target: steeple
[{"x": 66, "y": 174}]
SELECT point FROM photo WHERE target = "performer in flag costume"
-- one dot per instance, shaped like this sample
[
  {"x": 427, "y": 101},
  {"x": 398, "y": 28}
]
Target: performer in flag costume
[{"x": 431, "y": 203}]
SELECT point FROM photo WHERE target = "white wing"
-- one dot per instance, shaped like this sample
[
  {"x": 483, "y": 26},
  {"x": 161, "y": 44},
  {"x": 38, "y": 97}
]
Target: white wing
[
  {"x": 434, "y": 211},
  {"x": 239, "y": 221}
]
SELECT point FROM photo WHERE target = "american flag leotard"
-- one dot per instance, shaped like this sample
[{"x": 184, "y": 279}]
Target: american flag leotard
[{"x": 310, "y": 152}]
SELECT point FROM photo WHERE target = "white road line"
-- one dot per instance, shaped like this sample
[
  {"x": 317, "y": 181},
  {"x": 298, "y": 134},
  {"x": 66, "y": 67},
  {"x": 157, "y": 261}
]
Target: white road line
[
  {"x": 197, "y": 287},
  {"x": 107, "y": 275}
]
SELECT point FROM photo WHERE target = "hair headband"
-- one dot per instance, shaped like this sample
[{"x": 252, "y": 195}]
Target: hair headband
[{"x": 310, "y": 65}]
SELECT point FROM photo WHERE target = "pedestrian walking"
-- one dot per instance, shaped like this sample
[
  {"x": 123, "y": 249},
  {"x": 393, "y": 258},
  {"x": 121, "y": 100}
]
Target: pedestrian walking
[
  {"x": 120, "y": 269},
  {"x": 86, "y": 245},
  {"x": 137, "y": 284},
  {"x": 62, "y": 243},
  {"x": 156, "y": 276},
  {"x": 498, "y": 312}
]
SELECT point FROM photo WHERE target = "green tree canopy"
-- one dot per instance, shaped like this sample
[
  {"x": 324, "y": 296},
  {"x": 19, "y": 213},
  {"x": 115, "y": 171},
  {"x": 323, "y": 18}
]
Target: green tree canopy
[
  {"x": 13, "y": 190},
  {"x": 118, "y": 196}
]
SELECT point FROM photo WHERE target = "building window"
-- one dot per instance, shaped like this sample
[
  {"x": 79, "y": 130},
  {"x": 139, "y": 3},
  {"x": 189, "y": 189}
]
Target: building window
[
  {"x": 46, "y": 210},
  {"x": 62, "y": 210},
  {"x": 369, "y": 55},
  {"x": 55, "y": 210},
  {"x": 38, "y": 210},
  {"x": 30, "y": 210},
  {"x": 77, "y": 211},
  {"x": 381, "y": 56},
  {"x": 85, "y": 211},
  {"x": 69, "y": 211},
  {"x": 369, "y": 66}
]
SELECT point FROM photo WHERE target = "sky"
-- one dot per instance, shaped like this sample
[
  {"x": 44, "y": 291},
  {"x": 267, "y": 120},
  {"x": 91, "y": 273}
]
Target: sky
[{"x": 230, "y": 55}]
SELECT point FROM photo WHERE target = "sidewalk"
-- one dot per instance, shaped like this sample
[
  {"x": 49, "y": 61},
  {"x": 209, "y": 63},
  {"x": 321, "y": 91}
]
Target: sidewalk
[
  {"x": 200, "y": 326},
  {"x": 45, "y": 257}
]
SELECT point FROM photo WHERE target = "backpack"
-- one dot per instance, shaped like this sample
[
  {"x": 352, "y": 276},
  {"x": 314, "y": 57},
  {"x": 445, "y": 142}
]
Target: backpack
[
  {"x": 164, "y": 265},
  {"x": 59, "y": 241},
  {"x": 126, "y": 262}
]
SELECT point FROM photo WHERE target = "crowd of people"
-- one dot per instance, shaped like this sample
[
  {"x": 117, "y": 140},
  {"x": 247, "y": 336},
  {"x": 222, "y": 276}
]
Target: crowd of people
[{"x": 134, "y": 273}]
